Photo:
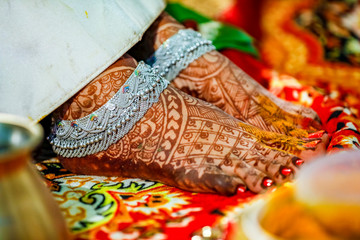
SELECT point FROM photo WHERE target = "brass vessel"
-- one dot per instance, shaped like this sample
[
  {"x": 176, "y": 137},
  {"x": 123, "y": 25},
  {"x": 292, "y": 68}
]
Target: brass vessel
[{"x": 27, "y": 208}]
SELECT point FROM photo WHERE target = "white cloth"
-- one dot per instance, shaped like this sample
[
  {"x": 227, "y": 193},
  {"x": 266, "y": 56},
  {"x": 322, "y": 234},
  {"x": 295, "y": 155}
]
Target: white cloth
[{"x": 50, "y": 49}]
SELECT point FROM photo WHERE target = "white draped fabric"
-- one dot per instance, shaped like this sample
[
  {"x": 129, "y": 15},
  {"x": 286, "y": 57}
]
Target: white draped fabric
[{"x": 50, "y": 49}]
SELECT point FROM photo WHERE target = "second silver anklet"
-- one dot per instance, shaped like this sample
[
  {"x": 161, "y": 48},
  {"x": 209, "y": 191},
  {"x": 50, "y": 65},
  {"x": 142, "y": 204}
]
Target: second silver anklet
[{"x": 177, "y": 52}]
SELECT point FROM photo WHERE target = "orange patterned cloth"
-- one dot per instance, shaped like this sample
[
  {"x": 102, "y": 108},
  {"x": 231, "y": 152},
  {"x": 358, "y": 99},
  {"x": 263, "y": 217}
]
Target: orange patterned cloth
[{"x": 116, "y": 208}]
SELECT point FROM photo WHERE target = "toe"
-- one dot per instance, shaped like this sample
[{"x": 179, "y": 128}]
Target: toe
[
  {"x": 255, "y": 180},
  {"x": 208, "y": 179}
]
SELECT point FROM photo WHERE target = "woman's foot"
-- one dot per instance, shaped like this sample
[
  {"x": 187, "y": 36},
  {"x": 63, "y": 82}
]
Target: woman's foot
[
  {"x": 215, "y": 79},
  {"x": 185, "y": 142}
]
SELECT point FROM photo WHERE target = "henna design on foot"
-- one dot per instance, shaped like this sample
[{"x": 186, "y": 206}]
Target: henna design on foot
[
  {"x": 181, "y": 141},
  {"x": 217, "y": 80}
]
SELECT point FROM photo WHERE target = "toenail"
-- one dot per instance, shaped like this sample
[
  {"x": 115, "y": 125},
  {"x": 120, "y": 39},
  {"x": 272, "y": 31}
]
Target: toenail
[
  {"x": 241, "y": 188},
  {"x": 285, "y": 171},
  {"x": 267, "y": 182},
  {"x": 297, "y": 161}
]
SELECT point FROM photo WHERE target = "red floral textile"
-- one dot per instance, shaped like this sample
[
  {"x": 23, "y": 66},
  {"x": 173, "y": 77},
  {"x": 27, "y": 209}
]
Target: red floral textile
[{"x": 115, "y": 208}]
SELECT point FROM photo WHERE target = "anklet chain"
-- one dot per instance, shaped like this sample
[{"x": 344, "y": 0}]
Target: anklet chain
[
  {"x": 177, "y": 52},
  {"x": 108, "y": 124}
]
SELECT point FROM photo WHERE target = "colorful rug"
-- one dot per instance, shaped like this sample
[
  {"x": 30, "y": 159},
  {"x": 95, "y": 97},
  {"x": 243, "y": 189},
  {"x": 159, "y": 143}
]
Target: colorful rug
[
  {"x": 117, "y": 208},
  {"x": 114, "y": 208}
]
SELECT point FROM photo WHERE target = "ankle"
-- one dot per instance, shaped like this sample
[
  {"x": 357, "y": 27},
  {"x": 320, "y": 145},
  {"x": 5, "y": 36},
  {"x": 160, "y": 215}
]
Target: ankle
[
  {"x": 167, "y": 26},
  {"x": 98, "y": 91},
  {"x": 111, "y": 109}
]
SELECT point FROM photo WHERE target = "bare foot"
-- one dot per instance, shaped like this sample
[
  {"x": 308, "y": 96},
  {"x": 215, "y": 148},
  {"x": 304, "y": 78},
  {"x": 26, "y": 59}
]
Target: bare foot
[
  {"x": 215, "y": 79},
  {"x": 185, "y": 142}
]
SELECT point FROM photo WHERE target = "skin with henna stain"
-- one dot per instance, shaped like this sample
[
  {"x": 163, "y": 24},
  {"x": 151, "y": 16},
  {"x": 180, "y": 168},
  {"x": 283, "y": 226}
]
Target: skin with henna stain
[
  {"x": 215, "y": 79},
  {"x": 185, "y": 142}
]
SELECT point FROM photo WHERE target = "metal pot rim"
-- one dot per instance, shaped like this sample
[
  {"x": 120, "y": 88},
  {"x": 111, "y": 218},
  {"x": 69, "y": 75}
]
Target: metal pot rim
[{"x": 33, "y": 129}]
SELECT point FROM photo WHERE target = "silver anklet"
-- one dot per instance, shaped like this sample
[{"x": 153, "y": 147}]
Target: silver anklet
[
  {"x": 177, "y": 52},
  {"x": 108, "y": 124}
]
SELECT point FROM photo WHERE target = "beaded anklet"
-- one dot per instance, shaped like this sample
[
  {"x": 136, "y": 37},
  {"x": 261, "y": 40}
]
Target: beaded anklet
[
  {"x": 108, "y": 124},
  {"x": 177, "y": 52}
]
